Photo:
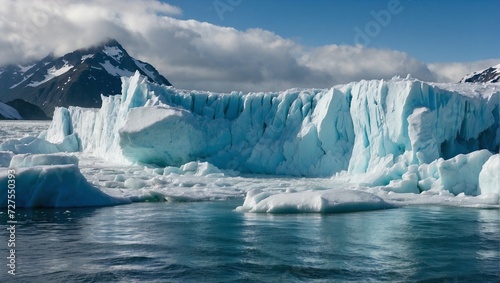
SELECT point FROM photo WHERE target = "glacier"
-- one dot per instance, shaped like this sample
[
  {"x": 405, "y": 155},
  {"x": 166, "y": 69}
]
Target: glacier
[
  {"x": 386, "y": 136},
  {"x": 362, "y": 127}
]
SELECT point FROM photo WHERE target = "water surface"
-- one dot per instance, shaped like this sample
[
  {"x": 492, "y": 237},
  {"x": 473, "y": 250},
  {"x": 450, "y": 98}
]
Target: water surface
[{"x": 210, "y": 242}]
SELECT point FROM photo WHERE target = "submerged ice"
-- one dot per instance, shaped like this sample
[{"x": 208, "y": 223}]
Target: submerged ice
[{"x": 402, "y": 135}]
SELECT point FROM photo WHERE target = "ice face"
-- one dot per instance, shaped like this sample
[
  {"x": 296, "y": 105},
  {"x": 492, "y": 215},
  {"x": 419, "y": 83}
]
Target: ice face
[
  {"x": 489, "y": 178},
  {"x": 183, "y": 142},
  {"x": 395, "y": 134}
]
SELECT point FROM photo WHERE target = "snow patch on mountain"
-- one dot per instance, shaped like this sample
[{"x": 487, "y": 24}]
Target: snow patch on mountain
[
  {"x": 52, "y": 73},
  {"x": 85, "y": 57},
  {"x": 144, "y": 67},
  {"x": 113, "y": 52},
  {"x": 115, "y": 70},
  {"x": 24, "y": 79},
  {"x": 26, "y": 68}
]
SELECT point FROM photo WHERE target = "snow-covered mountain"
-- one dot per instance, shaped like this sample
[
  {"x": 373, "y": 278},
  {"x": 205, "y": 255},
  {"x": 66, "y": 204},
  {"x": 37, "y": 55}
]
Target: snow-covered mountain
[
  {"x": 490, "y": 75},
  {"x": 77, "y": 78}
]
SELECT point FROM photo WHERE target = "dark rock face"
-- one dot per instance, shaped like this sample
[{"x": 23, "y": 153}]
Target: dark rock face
[{"x": 27, "y": 110}]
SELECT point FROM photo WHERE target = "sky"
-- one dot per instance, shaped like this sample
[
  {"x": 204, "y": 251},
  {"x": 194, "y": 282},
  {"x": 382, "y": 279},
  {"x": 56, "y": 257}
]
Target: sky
[
  {"x": 429, "y": 30},
  {"x": 257, "y": 45}
]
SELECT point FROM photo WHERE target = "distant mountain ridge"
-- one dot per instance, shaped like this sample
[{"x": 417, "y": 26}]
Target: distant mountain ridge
[
  {"x": 19, "y": 109},
  {"x": 8, "y": 112},
  {"x": 27, "y": 110},
  {"x": 489, "y": 75},
  {"x": 75, "y": 79}
]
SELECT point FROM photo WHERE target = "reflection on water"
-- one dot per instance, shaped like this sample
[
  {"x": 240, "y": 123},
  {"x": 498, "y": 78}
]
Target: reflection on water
[{"x": 210, "y": 242}]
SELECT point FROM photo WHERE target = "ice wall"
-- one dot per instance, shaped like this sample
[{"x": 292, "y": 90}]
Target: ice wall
[
  {"x": 273, "y": 133},
  {"x": 381, "y": 131}
]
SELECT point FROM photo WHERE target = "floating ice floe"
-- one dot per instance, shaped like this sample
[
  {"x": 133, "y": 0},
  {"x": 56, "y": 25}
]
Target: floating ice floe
[
  {"x": 51, "y": 181},
  {"x": 318, "y": 201}
]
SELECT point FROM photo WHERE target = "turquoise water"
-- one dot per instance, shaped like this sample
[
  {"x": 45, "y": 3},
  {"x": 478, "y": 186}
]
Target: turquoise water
[{"x": 210, "y": 242}]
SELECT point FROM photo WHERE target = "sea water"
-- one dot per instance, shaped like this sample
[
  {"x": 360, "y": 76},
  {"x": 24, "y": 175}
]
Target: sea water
[{"x": 211, "y": 242}]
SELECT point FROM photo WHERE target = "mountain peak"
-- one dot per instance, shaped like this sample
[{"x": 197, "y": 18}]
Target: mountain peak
[
  {"x": 100, "y": 47},
  {"x": 77, "y": 78},
  {"x": 489, "y": 75}
]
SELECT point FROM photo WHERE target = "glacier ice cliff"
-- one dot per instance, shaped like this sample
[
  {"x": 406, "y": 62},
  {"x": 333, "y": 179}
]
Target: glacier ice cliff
[{"x": 403, "y": 135}]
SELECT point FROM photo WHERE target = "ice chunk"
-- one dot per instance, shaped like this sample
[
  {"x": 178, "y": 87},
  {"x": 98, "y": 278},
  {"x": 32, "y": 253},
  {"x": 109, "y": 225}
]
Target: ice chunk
[
  {"x": 5, "y": 157},
  {"x": 57, "y": 132},
  {"x": 54, "y": 186},
  {"x": 200, "y": 169},
  {"x": 134, "y": 183},
  {"x": 461, "y": 173},
  {"x": 30, "y": 160},
  {"x": 489, "y": 178},
  {"x": 34, "y": 145},
  {"x": 317, "y": 201}
]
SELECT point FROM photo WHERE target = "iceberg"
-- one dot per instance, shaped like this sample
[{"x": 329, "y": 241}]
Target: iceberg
[
  {"x": 52, "y": 181},
  {"x": 402, "y": 135},
  {"x": 317, "y": 201}
]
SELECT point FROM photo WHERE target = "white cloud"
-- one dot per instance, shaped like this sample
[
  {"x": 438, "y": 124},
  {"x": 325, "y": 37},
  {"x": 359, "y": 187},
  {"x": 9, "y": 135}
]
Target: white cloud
[{"x": 197, "y": 55}]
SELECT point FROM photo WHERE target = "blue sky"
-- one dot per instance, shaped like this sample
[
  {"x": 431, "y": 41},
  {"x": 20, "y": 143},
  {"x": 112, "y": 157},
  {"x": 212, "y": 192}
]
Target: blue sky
[
  {"x": 266, "y": 45},
  {"x": 429, "y": 30}
]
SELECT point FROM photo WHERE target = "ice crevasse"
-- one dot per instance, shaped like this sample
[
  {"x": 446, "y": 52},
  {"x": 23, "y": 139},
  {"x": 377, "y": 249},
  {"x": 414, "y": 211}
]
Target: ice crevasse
[{"x": 402, "y": 135}]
